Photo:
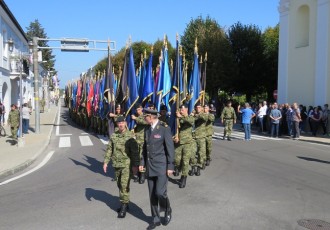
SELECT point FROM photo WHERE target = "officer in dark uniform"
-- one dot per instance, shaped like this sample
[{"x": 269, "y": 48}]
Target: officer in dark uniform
[{"x": 158, "y": 160}]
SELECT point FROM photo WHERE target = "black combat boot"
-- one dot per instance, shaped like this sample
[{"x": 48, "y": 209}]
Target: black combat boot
[
  {"x": 142, "y": 178},
  {"x": 228, "y": 138},
  {"x": 203, "y": 166},
  {"x": 192, "y": 171},
  {"x": 135, "y": 178},
  {"x": 122, "y": 211},
  {"x": 198, "y": 171},
  {"x": 207, "y": 162},
  {"x": 183, "y": 182}
]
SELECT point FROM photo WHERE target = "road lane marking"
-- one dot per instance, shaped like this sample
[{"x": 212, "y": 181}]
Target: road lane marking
[
  {"x": 64, "y": 142},
  {"x": 104, "y": 139},
  {"x": 85, "y": 141},
  {"x": 58, "y": 122},
  {"x": 44, "y": 161}
]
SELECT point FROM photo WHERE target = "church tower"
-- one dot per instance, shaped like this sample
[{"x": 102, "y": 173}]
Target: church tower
[{"x": 304, "y": 52}]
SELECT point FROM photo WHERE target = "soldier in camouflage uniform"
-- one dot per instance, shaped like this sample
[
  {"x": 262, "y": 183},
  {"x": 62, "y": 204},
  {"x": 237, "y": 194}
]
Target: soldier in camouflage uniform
[
  {"x": 139, "y": 135},
  {"x": 122, "y": 150},
  {"x": 183, "y": 143},
  {"x": 228, "y": 118},
  {"x": 163, "y": 115},
  {"x": 13, "y": 121},
  {"x": 209, "y": 133},
  {"x": 200, "y": 134}
]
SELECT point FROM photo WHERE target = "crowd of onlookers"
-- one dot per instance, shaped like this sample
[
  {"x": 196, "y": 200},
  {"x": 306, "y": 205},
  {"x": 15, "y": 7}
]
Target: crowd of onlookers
[{"x": 285, "y": 119}]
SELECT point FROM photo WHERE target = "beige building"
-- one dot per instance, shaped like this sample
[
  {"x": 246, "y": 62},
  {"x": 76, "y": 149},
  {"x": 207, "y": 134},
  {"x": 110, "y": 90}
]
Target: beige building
[{"x": 304, "y": 52}]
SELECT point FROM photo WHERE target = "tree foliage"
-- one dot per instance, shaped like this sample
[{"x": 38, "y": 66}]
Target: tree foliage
[
  {"x": 247, "y": 47},
  {"x": 212, "y": 39},
  {"x": 35, "y": 29},
  {"x": 270, "y": 40}
]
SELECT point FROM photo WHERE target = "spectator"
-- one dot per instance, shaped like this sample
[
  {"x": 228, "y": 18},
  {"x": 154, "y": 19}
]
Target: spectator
[
  {"x": 309, "y": 115},
  {"x": 262, "y": 115},
  {"x": 315, "y": 119},
  {"x": 2, "y": 113},
  {"x": 303, "y": 115},
  {"x": 324, "y": 119},
  {"x": 26, "y": 112},
  {"x": 247, "y": 115},
  {"x": 289, "y": 118},
  {"x": 296, "y": 118},
  {"x": 275, "y": 116}
]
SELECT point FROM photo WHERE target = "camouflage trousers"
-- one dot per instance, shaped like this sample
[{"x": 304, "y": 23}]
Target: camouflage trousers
[
  {"x": 140, "y": 146},
  {"x": 14, "y": 130},
  {"x": 183, "y": 156},
  {"x": 200, "y": 157},
  {"x": 208, "y": 147},
  {"x": 228, "y": 123},
  {"x": 123, "y": 180}
]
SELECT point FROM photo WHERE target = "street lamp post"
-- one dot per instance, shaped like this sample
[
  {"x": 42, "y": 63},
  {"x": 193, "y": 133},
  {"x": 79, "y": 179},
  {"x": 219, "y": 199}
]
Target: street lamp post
[{"x": 36, "y": 84}]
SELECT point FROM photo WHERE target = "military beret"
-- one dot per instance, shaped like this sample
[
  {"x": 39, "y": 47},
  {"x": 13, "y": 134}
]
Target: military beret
[
  {"x": 150, "y": 112},
  {"x": 184, "y": 105},
  {"x": 120, "y": 119}
]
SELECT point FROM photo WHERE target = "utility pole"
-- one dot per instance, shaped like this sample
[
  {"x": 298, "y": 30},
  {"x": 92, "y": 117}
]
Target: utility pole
[{"x": 36, "y": 85}]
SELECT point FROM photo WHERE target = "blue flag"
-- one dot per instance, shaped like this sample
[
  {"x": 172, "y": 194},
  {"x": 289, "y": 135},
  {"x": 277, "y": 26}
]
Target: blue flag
[
  {"x": 194, "y": 84},
  {"x": 148, "y": 88},
  {"x": 133, "y": 95}
]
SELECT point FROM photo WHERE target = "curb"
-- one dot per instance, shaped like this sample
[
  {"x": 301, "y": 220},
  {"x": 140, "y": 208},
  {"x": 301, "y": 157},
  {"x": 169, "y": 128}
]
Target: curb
[{"x": 29, "y": 162}]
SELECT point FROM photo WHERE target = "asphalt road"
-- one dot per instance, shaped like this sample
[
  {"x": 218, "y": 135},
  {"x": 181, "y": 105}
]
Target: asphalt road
[{"x": 261, "y": 184}]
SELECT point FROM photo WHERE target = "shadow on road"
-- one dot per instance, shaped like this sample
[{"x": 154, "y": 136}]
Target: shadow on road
[
  {"x": 314, "y": 159},
  {"x": 113, "y": 203},
  {"x": 95, "y": 166}
]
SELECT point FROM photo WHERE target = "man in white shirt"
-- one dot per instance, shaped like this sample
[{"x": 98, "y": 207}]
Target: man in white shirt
[{"x": 261, "y": 114}]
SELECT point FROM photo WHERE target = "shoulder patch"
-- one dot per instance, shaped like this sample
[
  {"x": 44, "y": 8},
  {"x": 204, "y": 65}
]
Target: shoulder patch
[{"x": 163, "y": 124}]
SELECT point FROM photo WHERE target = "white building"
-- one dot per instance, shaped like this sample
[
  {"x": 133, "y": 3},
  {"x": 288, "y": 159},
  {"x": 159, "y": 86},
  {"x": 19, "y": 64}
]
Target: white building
[
  {"x": 10, "y": 61},
  {"x": 304, "y": 52}
]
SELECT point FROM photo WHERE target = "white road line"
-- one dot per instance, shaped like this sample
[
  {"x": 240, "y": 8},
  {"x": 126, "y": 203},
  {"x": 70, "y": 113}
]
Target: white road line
[
  {"x": 45, "y": 160},
  {"x": 84, "y": 133},
  {"x": 85, "y": 141},
  {"x": 104, "y": 139},
  {"x": 64, "y": 142},
  {"x": 58, "y": 122}
]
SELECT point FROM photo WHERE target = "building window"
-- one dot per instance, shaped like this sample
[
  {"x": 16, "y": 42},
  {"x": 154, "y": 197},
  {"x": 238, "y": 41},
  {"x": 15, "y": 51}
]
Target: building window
[{"x": 302, "y": 27}]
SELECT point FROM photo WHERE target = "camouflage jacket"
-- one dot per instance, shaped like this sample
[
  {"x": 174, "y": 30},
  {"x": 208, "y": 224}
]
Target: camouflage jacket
[
  {"x": 209, "y": 124},
  {"x": 228, "y": 113},
  {"x": 200, "y": 122},
  {"x": 13, "y": 118},
  {"x": 122, "y": 150},
  {"x": 185, "y": 130},
  {"x": 139, "y": 129}
]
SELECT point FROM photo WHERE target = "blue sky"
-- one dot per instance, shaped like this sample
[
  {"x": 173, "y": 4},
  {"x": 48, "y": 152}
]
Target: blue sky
[{"x": 145, "y": 20}]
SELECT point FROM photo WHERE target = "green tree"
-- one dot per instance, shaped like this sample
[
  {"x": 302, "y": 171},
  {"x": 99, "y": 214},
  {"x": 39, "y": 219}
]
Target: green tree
[
  {"x": 35, "y": 29},
  {"x": 270, "y": 40},
  {"x": 212, "y": 39},
  {"x": 247, "y": 47}
]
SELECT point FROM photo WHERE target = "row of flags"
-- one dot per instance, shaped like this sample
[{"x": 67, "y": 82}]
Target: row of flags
[{"x": 169, "y": 87}]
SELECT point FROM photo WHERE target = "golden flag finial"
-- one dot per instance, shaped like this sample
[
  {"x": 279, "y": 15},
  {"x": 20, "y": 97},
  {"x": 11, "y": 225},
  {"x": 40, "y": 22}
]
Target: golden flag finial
[
  {"x": 152, "y": 49},
  {"x": 196, "y": 49},
  {"x": 205, "y": 59},
  {"x": 145, "y": 53},
  {"x": 180, "y": 50},
  {"x": 201, "y": 59}
]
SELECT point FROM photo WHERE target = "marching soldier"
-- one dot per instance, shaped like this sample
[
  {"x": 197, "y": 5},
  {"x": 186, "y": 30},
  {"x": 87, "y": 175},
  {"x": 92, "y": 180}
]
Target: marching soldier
[
  {"x": 200, "y": 134},
  {"x": 141, "y": 124},
  {"x": 228, "y": 118},
  {"x": 183, "y": 143},
  {"x": 122, "y": 150},
  {"x": 13, "y": 121},
  {"x": 209, "y": 133}
]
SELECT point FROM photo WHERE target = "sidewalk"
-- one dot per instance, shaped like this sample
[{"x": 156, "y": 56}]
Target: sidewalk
[
  {"x": 303, "y": 136},
  {"x": 14, "y": 158}
]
